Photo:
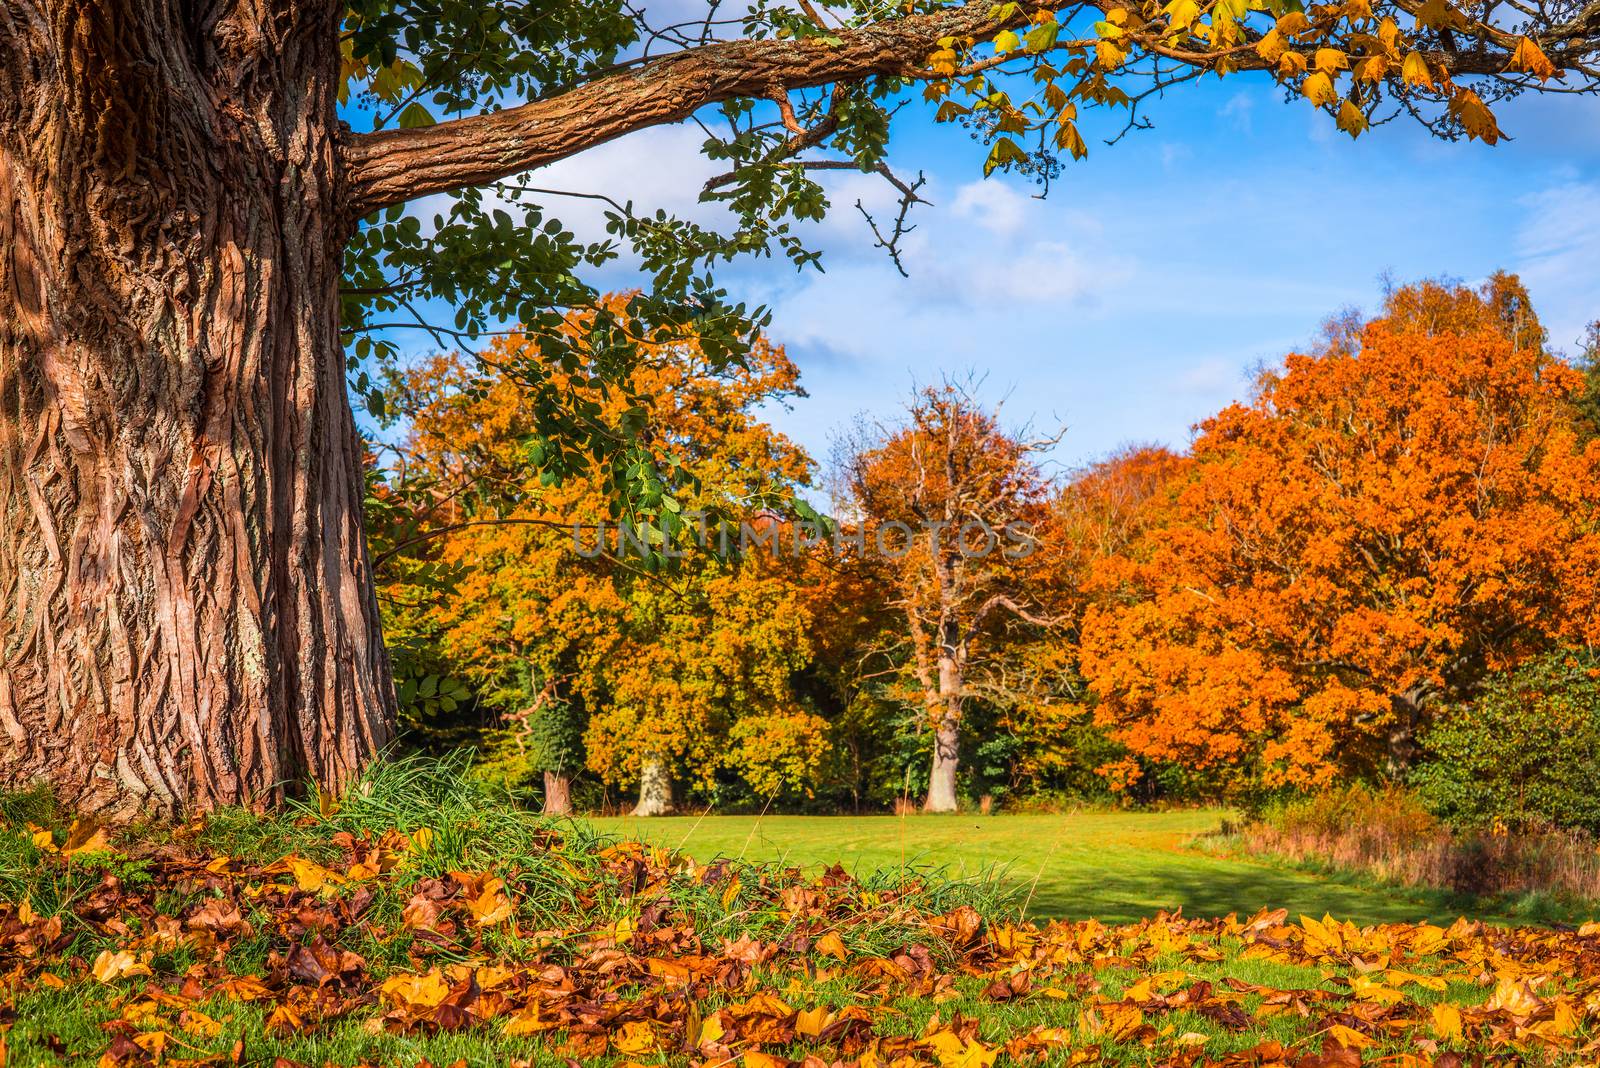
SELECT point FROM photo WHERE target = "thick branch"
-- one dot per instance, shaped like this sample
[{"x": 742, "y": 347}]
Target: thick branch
[{"x": 393, "y": 166}]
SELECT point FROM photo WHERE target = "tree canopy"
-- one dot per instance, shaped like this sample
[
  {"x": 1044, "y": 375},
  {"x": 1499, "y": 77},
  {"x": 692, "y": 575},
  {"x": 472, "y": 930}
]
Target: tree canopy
[
  {"x": 467, "y": 101},
  {"x": 1388, "y": 520}
]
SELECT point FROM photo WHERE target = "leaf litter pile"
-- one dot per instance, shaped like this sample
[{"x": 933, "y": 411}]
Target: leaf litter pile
[{"x": 494, "y": 939}]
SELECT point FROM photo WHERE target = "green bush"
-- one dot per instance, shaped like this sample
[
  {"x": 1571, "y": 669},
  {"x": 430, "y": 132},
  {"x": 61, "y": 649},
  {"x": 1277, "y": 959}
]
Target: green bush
[{"x": 1522, "y": 752}]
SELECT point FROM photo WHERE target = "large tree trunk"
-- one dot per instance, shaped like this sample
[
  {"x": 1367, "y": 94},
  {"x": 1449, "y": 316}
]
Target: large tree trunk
[
  {"x": 655, "y": 789},
  {"x": 186, "y": 606},
  {"x": 946, "y": 735}
]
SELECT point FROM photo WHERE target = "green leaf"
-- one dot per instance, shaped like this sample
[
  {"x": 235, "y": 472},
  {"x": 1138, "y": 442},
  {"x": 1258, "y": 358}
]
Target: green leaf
[{"x": 414, "y": 116}]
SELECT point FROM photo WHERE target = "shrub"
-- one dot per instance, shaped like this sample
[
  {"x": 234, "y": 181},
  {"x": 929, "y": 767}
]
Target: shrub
[
  {"x": 1522, "y": 753},
  {"x": 1390, "y": 835}
]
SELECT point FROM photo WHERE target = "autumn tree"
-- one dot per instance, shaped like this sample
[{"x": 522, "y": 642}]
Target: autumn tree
[
  {"x": 1095, "y": 517},
  {"x": 198, "y": 245},
  {"x": 1393, "y": 514},
  {"x": 554, "y": 612},
  {"x": 949, "y": 505}
]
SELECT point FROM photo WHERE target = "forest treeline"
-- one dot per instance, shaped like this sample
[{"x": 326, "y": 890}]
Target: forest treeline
[{"x": 1382, "y": 566}]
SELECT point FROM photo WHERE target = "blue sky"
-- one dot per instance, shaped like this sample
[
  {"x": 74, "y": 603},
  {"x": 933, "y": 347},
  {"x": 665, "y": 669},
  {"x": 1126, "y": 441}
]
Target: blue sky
[{"x": 1136, "y": 298}]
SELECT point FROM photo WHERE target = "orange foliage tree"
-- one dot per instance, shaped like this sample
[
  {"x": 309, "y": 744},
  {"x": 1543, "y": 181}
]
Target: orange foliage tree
[
  {"x": 1095, "y": 517},
  {"x": 950, "y": 507},
  {"x": 564, "y": 631},
  {"x": 1391, "y": 516}
]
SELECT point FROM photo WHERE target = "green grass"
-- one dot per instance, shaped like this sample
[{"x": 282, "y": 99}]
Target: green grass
[
  {"x": 567, "y": 881},
  {"x": 1113, "y": 866}
]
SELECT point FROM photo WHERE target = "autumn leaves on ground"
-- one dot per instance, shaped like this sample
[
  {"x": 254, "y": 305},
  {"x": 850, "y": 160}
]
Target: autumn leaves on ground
[{"x": 428, "y": 921}]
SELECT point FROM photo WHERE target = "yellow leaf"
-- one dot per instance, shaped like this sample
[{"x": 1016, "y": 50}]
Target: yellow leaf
[
  {"x": 831, "y": 945},
  {"x": 1414, "y": 71},
  {"x": 713, "y": 1029},
  {"x": 1331, "y": 59},
  {"x": 1474, "y": 116},
  {"x": 1446, "y": 1021},
  {"x": 754, "y": 1058},
  {"x": 492, "y": 906},
  {"x": 1318, "y": 88},
  {"x": 309, "y": 875},
  {"x": 1437, "y": 14},
  {"x": 327, "y": 804},
  {"x": 1565, "y": 1020},
  {"x": 153, "y": 1042},
  {"x": 1181, "y": 14},
  {"x": 634, "y": 1038},
  {"x": 1292, "y": 23},
  {"x": 1529, "y": 57},
  {"x": 811, "y": 1022},
  {"x": 1389, "y": 33},
  {"x": 1514, "y": 997},
  {"x": 761, "y": 1004},
  {"x": 1349, "y": 1037},
  {"x": 1394, "y": 977},
  {"x": 529, "y": 1022},
  {"x": 421, "y": 840},
  {"x": 43, "y": 839},
  {"x": 1353, "y": 122},
  {"x": 1068, "y": 138},
  {"x": 1271, "y": 46},
  {"x": 81, "y": 838},
  {"x": 1291, "y": 64},
  {"x": 416, "y": 991},
  {"x": 198, "y": 1023},
  {"x": 110, "y": 966},
  {"x": 1371, "y": 990},
  {"x": 952, "y": 1052}
]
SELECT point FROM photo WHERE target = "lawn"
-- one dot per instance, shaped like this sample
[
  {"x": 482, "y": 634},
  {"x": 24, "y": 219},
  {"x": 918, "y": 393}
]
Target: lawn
[
  {"x": 427, "y": 922},
  {"x": 1114, "y": 866}
]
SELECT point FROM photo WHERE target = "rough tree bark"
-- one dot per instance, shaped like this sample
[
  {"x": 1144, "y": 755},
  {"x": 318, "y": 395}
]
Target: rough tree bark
[
  {"x": 186, "y": 608},
  {"x": 655, "y": 789},
  {"x": 558, "y": 793}
]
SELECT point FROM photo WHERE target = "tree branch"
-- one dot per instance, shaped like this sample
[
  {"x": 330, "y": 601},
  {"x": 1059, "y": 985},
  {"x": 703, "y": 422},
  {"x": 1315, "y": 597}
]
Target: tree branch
[{"x": 394, "y": 166}]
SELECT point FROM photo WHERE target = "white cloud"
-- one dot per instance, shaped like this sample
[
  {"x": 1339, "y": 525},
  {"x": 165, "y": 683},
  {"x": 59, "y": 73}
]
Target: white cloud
[
  {"x": 1240, "y": 108},
  {"x": 657, "y": 168},
  {"x": 992, "y": 204},
  {"x": 1209, "y": 378},
  {"x": 1557, "y": 248},
  {"x": 1173, "y": 154},
  {"x": 1045, "y": 272}
]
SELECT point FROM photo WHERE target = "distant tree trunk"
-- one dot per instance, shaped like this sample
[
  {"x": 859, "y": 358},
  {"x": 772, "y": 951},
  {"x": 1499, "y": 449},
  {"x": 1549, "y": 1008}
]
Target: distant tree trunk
[
  {"x": 655, "y": 789},
  {"x": 1403, "y": 746},
  {"x": 946, "y": 734},
  {"x": 557, "y": 793},
  {"x": 186, "y": 608}
]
